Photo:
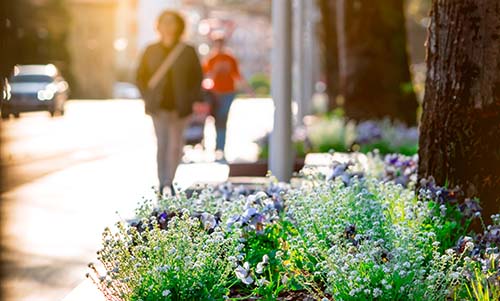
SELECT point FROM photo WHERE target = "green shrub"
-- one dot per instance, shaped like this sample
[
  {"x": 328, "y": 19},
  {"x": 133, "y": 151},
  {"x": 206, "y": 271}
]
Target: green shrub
[
  {"x": 182, "y": 262},
  {"x": 260, "y": 84}
]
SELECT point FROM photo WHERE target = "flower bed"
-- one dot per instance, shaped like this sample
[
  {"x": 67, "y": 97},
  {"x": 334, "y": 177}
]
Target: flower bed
[
  {"x": 352, "y": 234},
  {"x": 323, "y": 134}
]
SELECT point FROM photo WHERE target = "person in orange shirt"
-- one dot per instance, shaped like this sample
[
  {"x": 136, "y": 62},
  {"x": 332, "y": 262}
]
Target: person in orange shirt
[{"x": 222, "y": 68}]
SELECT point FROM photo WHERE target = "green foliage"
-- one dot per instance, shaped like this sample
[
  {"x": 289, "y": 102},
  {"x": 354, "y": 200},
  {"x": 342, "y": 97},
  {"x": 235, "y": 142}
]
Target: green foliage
[
  {"x": 333, "y": 133},
  {"x": 368, "y": 243},
  {"x": 385, "y": 147},
  {"x": 448, "y": 223},
  {"x": 183, "y": 262},
  {"x": 277, "y": 274},
  {"x": 327, "y": 134},
  {"x": 260, "y": 84},
  {"x": 484, "y": 285}
]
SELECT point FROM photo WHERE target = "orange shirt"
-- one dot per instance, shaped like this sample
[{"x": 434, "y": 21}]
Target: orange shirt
[{"x": 222, "y": 68}]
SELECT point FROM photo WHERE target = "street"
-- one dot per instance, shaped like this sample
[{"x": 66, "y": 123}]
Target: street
[{"x": 66, "y": 178}]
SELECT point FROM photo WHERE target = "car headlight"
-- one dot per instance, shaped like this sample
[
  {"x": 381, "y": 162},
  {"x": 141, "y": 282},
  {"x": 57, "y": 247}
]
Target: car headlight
[
  {"x": 6, "y": 92},
  {"x": 43, "y": 95},
  {"x": 47, "y": 93},
  {"x": 6, "y": 95}
]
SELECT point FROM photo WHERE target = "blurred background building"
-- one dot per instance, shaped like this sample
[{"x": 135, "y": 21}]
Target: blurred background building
[{"x": 90, "y": 44}]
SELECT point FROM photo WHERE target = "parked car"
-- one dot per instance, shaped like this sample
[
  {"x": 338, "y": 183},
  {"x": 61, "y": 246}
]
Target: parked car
[{"x": 34, "y": 88}]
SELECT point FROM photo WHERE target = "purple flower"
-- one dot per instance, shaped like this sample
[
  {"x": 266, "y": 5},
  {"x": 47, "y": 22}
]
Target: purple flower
[
  {"x": 470, "y": 208},
  {"x": 248, "y": 214},
  {"x": 233, "y": 219},
  {"x": 368, "y": 132}
]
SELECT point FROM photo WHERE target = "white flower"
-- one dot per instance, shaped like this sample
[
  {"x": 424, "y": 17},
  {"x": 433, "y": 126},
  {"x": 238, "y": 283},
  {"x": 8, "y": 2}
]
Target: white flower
[
  {"x": 469, "y": 245},
  {"x": 240, "y": 247},
  {"x": 243, "y": 273},
  {"x": 165, "y": 293},
  {"x": 377, "y": 292},
  {"x": 208, "y": 220},
  {"x": 260, "y": 268},
  {"x": 262, "y": 282},
  {"x": 454, "y": 275},
  {"x": 284, "y": 280},
  {"x": 279, "y": 254},
  {"x": 163, "y": 268},
  {"x": 450, "y": 252},
  {"x": 261, "y": 195}
]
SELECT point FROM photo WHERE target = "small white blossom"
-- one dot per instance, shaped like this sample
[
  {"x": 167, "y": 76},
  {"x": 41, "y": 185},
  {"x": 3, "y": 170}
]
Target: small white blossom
[
  {"x": 243, "y": 273},
  {"x": 377, "y": 292}
]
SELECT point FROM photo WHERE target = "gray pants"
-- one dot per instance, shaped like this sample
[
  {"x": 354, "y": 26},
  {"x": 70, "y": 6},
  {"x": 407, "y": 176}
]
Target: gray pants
[{"x": 169, "y": 129}]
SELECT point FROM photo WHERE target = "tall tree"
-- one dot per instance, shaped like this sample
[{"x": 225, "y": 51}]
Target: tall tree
[
  {"x": 460, "y": 130},
  {"x": 373, "y": 62},
  {"x": 328, "y": 38}
]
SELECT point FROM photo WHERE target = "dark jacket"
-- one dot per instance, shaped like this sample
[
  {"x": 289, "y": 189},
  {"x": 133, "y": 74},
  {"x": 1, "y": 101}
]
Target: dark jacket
[{"x": 185, "y": 74}]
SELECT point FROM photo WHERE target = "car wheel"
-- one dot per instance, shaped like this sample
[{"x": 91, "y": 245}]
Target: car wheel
[
  {"x": 16, "y": 115},
  {"x": 5, "y": 115}
]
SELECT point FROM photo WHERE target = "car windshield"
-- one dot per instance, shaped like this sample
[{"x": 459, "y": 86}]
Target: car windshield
[{"x": 31, "y": 78}]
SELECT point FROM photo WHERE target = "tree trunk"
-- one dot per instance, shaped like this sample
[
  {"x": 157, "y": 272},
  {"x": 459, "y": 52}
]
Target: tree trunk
[
  {"x": 8, "y": 26},
  {"x": 328, "y": 40},
  {"x": 373, "y": 62},
  {"x": 460, "y": 129}
]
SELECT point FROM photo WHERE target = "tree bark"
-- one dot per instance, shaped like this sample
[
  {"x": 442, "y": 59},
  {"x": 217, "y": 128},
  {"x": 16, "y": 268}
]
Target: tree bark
[
  {"x": 8, "y": 26},
  {"x": 460, "y": 129},
  {"x": 373, "y": 62},
  {"x": 328, "y": 40}
]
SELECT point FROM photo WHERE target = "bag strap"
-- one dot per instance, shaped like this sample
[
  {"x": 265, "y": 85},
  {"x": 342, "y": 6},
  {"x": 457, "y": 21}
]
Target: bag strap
[{"x": 165, "y": 66}]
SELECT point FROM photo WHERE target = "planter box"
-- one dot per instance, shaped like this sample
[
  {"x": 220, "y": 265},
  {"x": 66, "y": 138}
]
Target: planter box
[{"x": 257, "y": 169}]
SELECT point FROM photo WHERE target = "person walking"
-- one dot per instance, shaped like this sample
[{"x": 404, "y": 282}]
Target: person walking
[
  {"x": 169, "y": 78},
  {"x": 222, "y": 68}
]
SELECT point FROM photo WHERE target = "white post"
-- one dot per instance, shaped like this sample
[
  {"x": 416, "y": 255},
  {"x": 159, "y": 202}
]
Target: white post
[
  {"x": 298, "y": 87},
  {"x": 280, "y": 154},
  {"x": 310, "y": 56}
]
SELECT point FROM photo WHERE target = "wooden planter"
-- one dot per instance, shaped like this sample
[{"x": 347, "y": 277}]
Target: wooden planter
[{"x": 257, "y": 169}]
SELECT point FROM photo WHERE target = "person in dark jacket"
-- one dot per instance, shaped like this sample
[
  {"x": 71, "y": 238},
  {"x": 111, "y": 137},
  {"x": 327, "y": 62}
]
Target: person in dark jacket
[{"x": 169, "y": 101}]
